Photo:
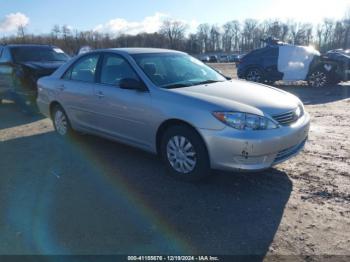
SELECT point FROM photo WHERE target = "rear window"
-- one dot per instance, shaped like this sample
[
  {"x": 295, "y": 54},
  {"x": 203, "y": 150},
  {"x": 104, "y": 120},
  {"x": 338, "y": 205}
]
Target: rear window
[{"x": 38, "y": 53}]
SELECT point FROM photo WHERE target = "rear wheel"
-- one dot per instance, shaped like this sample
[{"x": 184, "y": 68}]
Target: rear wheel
[
  {"x": 61, "y": 122},
  {"x": 318, "y": 78},
  {"x": 269, "y": 82},
  {"x": 254, "y": 75},
  {"x": 185, "y": 153}
]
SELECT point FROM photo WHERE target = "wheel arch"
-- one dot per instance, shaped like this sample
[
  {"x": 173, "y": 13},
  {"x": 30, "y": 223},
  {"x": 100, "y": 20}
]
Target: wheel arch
[
  {"x": 175, "y": 122},
  {"x": 52, "y": 106}
]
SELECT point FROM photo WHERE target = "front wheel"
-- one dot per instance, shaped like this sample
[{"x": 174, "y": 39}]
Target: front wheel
[
  {"x": 254, "y": 75},
  {"x": 61, "y": 122},
  {"x": 185, "y": 153},
  {"x": 318, "y": 78}
]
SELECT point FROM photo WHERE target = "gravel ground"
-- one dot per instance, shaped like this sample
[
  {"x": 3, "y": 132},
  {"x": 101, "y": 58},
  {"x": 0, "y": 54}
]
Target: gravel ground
[{"x": 93, "y": 196}]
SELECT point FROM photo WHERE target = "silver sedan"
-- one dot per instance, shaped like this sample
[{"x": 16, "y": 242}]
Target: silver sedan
[{"x": 169, "y": 103}]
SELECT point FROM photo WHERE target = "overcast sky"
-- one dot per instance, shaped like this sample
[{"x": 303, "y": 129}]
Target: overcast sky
[{"x": 134, "y": 16}]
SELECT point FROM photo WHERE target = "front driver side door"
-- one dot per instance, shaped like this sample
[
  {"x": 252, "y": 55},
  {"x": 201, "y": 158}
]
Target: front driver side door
[{"x": 121, "y": 113}]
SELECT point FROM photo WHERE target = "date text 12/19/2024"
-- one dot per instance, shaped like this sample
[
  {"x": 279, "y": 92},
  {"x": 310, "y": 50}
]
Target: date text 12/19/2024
[{"x": 173, "y": 258}]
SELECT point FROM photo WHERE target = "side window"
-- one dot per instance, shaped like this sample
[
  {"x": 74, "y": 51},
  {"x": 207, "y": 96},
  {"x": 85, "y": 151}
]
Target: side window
[
  {"x": 5, "y": 55},
  {"x": 83, "y": 70},
  {"x": 154, "y": 68},
  {"x": 271, "y": 52},
  {"x": 115, "y": 68}
]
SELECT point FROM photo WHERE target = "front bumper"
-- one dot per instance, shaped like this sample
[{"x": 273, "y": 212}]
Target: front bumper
[{"x": 231, "y": 149}]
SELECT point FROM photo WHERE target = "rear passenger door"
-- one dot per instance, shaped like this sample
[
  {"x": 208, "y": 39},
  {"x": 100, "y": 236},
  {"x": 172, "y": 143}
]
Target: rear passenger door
[{"x": 76, "y": 91}]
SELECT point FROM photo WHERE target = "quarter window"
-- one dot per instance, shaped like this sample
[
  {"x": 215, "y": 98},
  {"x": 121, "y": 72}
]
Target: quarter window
[
  {"x": 84, "y": 70},
  {"x": 114, "y": 69}
]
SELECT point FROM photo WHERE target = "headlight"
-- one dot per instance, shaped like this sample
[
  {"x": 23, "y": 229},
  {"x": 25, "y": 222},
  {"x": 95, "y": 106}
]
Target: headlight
[
  {"x": 245, "y": 121},
  {"x": 299, "y": 112}
]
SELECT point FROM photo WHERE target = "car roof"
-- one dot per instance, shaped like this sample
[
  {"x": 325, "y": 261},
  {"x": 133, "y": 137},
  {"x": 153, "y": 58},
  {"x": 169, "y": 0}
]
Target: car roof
[{"x": 132, "y": 51}]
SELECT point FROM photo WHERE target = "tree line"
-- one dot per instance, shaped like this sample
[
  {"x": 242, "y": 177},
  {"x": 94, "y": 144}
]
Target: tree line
[{"x": 232, "y": 37}]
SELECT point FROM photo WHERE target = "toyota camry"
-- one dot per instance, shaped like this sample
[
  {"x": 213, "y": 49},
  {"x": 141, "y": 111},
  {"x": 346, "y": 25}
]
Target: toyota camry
[{"x": 169, "y": 103}]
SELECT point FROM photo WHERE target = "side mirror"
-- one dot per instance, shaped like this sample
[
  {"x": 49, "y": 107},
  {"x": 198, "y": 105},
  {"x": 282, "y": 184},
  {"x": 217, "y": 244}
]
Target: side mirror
[{"x": 131, "y": 83}]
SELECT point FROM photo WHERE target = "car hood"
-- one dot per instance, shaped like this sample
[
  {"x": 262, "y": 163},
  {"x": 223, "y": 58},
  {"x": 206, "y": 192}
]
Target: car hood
[
  {"x": 51, "y": 65},
  {"x": 238, "y": 95},
  {"x": 339, "y": 56}
]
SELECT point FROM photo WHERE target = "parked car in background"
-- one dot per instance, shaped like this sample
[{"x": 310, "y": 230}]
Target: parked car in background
[
  {"x": 84, "y": 49},
  {"x": 213, "y": 59},
  {"x": 20, "y": 68},
  {"x": 204, "y": 59},
  {"x": 233, "y": 58},
  {"x": 170, "y": 103},
  {"x": 337, "y": 64},
  {"x": 223, "y": 59},
  {"x": 236, "y": 58},
  {"x": 280, "y": 61}
]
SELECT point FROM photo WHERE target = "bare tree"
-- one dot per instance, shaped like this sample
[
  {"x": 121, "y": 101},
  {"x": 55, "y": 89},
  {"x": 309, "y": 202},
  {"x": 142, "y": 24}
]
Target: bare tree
[
  {"x": 174, "y": 31},
  {"x": 346, "y": 22},
  {"x": 249, "y": 28},
  {"x": 56, "y": 31},
  {"x": 21, "y": 33},
  {"x": 230, "y": 37},
  {"x": 203, "y": 33},
  {"x": 215, "y": 38},
  {"x": 319, "y": 33}
]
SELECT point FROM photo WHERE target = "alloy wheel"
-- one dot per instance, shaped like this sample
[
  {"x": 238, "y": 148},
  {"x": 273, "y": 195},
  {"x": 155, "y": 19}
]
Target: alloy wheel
[
  {"x": 318, "y": 79},
  {"x": 181, "y": 154},
  {"x": 254, "y": 75},
  {"x": 61, "y": 123}
]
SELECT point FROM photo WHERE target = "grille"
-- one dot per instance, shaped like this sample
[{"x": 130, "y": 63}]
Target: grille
[{"x": 286, "y": 119}]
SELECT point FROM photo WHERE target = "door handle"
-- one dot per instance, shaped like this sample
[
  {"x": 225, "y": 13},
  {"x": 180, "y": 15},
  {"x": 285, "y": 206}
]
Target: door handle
[{"x": 100, "y": 94}]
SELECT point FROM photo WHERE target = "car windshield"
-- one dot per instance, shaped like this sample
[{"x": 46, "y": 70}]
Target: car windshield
[
  {"x": 38, "y": 53},
  {"x": 173, "y": 70}
]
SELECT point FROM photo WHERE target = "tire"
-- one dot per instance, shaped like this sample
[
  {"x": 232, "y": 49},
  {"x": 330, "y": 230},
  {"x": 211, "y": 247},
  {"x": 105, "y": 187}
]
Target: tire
[
  {"x": 184, "y": 153},
  {"x": 61, "y": 122},
  {"x": 318, "y": 78},
  {"x": 254, "y": 75}
]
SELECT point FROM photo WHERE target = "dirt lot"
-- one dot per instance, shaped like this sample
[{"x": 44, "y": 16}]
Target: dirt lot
[{"x": 93, "y": 196}]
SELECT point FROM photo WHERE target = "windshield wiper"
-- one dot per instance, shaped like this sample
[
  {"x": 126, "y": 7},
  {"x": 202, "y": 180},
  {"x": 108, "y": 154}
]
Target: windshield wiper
[
  {"x": 207, "y": 82},
  {"x": 178, "y": 85}
]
